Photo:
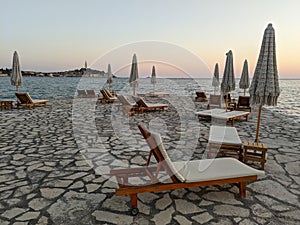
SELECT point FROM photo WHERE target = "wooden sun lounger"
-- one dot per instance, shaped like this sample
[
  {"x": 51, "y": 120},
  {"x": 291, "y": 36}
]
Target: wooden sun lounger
[
  {"x": 231, "y": 116},
  {"x": 107, "y": 97},
  {"x": 6, "y": 103},
  {"x": 24, "y": 99},
  {"x": 86, "y": 93},
  {"x": 215, "y": 101},
  {"x": 208, "y": 114},
  {"x": 91, "y": 93},
  {"x": 110, "y": 94},
  {"x": 126, "y": 106},
  {"x": 244, "y": 103},
  {"x": 187, "y": 174},
  {"x": 144, "y": 106},
  {"x": 200, "y": 96},
  {"x": 81, "y": 93},
  {"x": 222, "y": 115},
  {"x": 156, "y": 94},
  {"x": 225, "y": 141}
]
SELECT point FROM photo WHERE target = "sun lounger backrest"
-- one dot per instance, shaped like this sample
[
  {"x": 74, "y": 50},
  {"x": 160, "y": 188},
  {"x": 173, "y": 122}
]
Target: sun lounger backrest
[
  {"x": 140, "y": 102},
  {"x": 244, "y": 101},
  {"x": 200, "y": 94},
  {"x": 123, "y": 100},
  {"x": 91, "y": 93},
  {"x": 143, "y": 103},
  {"x": 161, "y": 147},
  {"x": 109, "y": 94},
  {"x": 81, "y": 93},
  {"x": 153, "y": 148},
  {"x": 24, "y": 98},
  {"x": 158, "y": 150},
  {"x": 215, "y": 100},
  {"x": 104, "y": 93}
]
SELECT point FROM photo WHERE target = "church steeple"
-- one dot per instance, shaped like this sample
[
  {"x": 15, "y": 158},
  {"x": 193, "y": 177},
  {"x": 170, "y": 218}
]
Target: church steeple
[{"x": 85, "y": 64}]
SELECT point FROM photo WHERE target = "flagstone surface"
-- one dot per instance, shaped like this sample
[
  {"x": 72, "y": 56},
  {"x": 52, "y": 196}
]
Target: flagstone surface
[{"x": 55, "y": 160}]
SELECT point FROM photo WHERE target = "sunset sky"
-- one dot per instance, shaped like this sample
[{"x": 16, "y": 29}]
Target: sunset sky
[{"x": 60, "y": 35}]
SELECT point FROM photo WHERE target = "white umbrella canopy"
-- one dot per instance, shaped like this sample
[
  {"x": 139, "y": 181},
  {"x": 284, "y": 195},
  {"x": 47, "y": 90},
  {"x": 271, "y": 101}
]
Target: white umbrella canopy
[
  {"x": 134, "y": 75},
  {"x": 109, "y": 76},
  {"x": 216, "y": 81},
  {"x": 153, "y": 78},
  {"x": 16, "y": 78},
  {"x": 244, "y": 81},
  {"x": 228, "y": 81},
  {"x": 264, "y": 89}
]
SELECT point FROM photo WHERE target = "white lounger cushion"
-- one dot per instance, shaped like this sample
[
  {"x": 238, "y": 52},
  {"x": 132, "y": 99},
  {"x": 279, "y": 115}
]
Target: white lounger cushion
[
  {"x": 156, "y": 105},
  {"x": 230, "y": 114},
  {"x": 210, "y": 112},
  {"x": 214, "y": 169},
  {"x": 39, "y": 101},
  {"x": 163, "y": 151},
  {"x": 224, "y": 135},
  {"x": 222, "y": 114},
  {"x": 206, "y": 169}
]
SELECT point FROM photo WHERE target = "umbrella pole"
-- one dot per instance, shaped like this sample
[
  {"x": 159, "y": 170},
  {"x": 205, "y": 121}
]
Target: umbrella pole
[
  {"x": 214, "y": 90},
  {"x": 258, "y": 122},
  {"x": 244, "y": 92},
  {"x": 134, "y": 94},
  {"x": 226, "y": 100}
]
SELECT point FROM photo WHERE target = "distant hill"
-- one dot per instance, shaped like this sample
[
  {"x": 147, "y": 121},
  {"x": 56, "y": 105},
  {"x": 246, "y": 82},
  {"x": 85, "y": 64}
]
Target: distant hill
[{"x": 70, "y": 73}]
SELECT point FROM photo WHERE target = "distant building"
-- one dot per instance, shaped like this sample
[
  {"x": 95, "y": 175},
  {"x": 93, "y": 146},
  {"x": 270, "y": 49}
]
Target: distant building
[
  {"x": 3, "y": 74},
  {"x": 85, "y": 65}
]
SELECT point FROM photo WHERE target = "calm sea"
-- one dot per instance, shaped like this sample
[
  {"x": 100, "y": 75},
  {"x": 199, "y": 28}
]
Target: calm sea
[{"x": 49, "y": 88}]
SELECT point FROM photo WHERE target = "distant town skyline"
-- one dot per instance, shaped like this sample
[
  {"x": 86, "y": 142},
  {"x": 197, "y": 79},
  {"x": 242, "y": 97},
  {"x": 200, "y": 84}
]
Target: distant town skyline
[{"x": 53, "y": 36}]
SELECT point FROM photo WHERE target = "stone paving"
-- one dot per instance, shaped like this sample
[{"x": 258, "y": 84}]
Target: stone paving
[{"x": 54, "y": 163}]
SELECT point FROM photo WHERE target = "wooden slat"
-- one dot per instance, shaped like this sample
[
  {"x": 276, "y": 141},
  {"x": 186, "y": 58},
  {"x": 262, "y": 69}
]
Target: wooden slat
[
  {"x": 171, "y": 186},
  {"x": 132, "y": 170}
]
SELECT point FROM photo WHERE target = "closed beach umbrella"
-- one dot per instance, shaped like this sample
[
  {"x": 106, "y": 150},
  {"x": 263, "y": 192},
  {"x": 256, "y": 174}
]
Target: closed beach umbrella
[
  {"x": 16, "y": 78},
  {"x": 153, "y": 78},
  {"x": 109, "y": 76},
  {"x": 215, "y": 81},
  {"x": 244, "y": 81},
  {"x": 264, "y": 89},
  {"x": 228, "y": 81},
  {"x": 134, "y": 75}
]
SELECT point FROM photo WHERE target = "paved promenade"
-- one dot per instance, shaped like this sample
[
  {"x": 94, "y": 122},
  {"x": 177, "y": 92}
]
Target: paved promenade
[{"x": 54, "y": 163}]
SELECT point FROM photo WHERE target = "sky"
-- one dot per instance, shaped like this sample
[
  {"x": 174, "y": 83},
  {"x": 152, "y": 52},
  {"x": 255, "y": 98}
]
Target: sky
[{"x": 175, "y": 36}]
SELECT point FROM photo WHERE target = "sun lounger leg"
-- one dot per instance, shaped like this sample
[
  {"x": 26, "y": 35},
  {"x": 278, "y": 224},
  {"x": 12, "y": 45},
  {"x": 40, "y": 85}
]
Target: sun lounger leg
[
  {"x": 242, "y": 187},
  {"x": 133, "y": 201},
  {"x": 125, "y": 180}
]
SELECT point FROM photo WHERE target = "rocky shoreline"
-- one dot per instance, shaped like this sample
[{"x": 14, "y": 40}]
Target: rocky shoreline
[
  {"x": 54, "y": 162},
  {"x": 71, "y": 73}
]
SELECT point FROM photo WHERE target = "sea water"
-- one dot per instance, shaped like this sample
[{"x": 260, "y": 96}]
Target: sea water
[{"x": 63, "y": 87}]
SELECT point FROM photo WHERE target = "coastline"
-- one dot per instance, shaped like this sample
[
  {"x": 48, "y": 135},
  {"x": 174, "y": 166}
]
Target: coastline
[
  {"x": 46, "y": 177},
  {"x": 86, "y": 72}
]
